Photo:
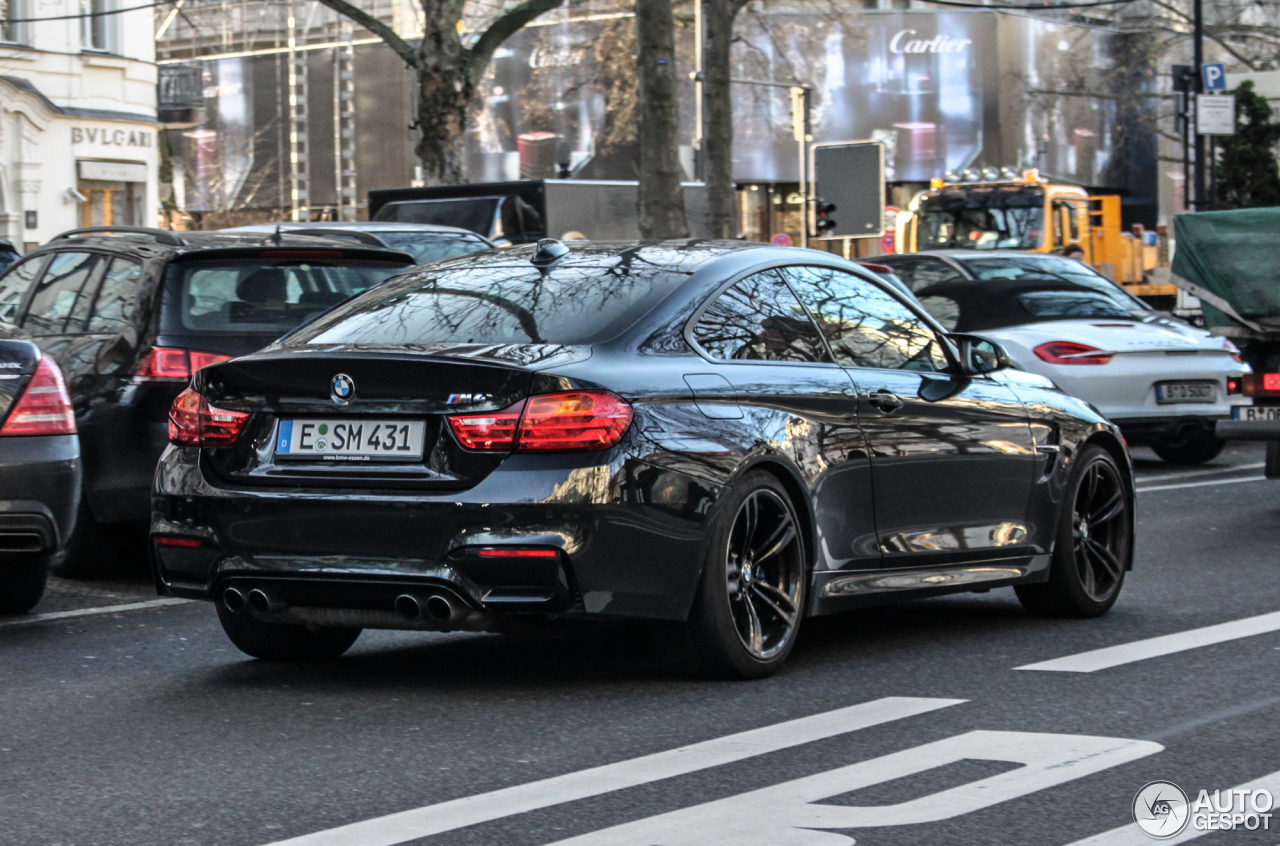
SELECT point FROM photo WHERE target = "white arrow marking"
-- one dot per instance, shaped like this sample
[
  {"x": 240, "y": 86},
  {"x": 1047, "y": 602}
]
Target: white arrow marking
[
  {"x": 787, "y": 814},
  {"x": 472, "y": 810}
]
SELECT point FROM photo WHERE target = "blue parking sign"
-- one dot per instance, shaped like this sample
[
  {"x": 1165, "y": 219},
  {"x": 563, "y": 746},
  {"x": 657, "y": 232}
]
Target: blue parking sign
[{"x": 1214, "y": 76}]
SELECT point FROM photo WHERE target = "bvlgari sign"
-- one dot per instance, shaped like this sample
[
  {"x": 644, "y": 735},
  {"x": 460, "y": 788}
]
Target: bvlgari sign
[
  {"x": 101, "y": 136},
  {"x": 905, "y": 42}
]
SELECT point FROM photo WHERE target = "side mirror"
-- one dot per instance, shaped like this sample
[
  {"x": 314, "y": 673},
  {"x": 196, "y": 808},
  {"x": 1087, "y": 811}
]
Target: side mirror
[{"x": 980, "y": 356}]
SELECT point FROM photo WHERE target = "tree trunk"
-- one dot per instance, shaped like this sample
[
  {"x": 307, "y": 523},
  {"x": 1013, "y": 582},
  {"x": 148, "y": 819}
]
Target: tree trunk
[
  {"x": 446, "y": 86},
  {"x": 717, "y": 115},
  {"x": 661, "y": 201}
]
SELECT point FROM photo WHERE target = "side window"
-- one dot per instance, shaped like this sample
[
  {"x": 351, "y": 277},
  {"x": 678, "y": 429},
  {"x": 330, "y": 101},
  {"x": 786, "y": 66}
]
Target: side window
[
  {"x": 864, "y": 324},
  {"x": 15, "y": 284},
  {"x": 117, "y": 296},
  {"x": 759, "y": 319},
  {"x": 931, "y": 281},
  {"x": 57, "y": 292}
]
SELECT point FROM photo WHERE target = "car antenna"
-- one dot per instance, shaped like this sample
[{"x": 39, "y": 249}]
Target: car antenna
[
  {"x": 547, "y": 253},
  {"x": 275, "y": 237}
]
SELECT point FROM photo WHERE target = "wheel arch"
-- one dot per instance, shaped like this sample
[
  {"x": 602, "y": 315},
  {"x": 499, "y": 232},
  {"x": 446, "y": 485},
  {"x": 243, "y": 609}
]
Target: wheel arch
[{"x": 791, "y": 482}]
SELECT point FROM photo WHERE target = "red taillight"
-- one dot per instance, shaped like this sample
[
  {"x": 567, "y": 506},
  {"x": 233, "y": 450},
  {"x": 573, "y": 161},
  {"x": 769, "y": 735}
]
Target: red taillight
[
  {"x": 169, "y": 364},
  {"x": 193, "y": 422},
  {"x": 1233, "y": 349},
  {"x": 1234, "y": 385},
  {"x": 189, "y": 543},
  {"x": 1261, "y": 384},
  {"x": 43, "y": 408},
  {"x": 574, "y": 420},
  {"x": 1068, "y": 352},
  {"x": 514, "y": 552},
  {"x": 495, "y": 430}
]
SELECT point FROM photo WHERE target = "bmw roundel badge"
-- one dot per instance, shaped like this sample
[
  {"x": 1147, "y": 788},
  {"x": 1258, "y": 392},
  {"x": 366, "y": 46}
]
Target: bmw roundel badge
[{"x": 342, "y": 389}]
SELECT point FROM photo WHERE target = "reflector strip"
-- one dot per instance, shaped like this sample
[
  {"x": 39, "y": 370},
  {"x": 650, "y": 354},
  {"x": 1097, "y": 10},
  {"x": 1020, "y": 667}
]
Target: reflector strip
[{"x": 500, "y": 552}]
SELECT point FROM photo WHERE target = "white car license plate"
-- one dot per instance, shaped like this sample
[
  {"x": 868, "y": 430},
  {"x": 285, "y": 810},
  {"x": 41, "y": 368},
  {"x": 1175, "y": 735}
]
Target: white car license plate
[
  {"x": 1185, "y": 391},
  {"x": 351, "y": 440},
  {"x": 1256, "y": 412}
]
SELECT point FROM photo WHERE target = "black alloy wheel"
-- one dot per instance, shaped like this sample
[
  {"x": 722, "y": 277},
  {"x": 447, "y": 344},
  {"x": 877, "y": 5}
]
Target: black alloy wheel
[
  {"x": 1094, "y": 546},
  {"x": 751, "y": 599}
]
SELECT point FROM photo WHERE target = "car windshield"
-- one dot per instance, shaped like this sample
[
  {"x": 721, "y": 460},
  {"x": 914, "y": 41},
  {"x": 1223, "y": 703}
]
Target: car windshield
[
  {"x": 430, "y": 246},
  {"x": 256, "y": 295},
  {"x": 1013, "y": 290},
  {"x": 506, "y": 304},
  {"x": 474, "y": 213},
  {"x": 986, "y": 217}
]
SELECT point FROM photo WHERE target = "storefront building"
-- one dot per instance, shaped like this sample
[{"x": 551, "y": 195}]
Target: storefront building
[{"x": 78, "y": 130}]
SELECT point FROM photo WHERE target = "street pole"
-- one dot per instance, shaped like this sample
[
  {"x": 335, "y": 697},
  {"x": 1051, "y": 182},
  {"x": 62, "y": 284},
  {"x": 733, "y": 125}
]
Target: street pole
[
  {"x": 699, "y": 158},
  {"x": 801, "y": 103},
  {"x": 1200, "y": 202}
]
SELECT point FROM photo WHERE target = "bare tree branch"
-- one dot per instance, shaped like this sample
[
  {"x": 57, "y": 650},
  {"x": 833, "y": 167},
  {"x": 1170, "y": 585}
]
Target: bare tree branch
[
  {"x": 503, "y": 28},
  {"x": 377, "y": 27}
]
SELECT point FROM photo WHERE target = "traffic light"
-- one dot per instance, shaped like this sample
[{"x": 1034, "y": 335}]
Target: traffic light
[{"x": 822, "y": 221}]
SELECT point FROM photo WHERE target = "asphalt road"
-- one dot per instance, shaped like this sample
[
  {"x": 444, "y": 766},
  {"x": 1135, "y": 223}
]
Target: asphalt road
[{"x": 902, "y": 725}]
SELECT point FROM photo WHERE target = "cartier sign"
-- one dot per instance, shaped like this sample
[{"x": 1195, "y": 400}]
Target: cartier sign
[
  {"x": 904, "y": 42},
  {"x": 106, "y": 137}
]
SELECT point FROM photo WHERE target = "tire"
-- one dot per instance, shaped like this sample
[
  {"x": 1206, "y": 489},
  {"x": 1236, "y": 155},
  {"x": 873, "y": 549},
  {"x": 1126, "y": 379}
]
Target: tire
[
  {"x": 284, "y": 641},
  {"x": 745, "y": 620},
  {"x": 1094, "y": 544},
  {"x": 22, "y": 582},
  {"x": 1194, "y": 451}
]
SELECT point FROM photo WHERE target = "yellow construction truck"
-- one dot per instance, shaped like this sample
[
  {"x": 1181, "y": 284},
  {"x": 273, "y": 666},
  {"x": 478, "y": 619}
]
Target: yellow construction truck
[{"x": 1034, "y": 214}]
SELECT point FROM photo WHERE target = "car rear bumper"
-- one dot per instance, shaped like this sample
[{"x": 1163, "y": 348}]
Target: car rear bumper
[
  {"x": 628, "y": 536},
  {"x": 1145, "y": 431},
  {"x": 39, "y": 492}
]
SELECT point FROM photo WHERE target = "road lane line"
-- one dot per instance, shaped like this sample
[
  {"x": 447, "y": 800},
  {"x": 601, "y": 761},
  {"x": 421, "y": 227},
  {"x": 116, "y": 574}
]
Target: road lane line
[
  {"x": 796, "y": 812},
  {"x": 89, "y": 612},
  {"x": 1201, "y": 484},
  {"x": 1155, "y": 647},
  {"x": 1141, "y": 480},
  {"x": 472, "y": 810},
  {"x": 1131, "y": 835}
]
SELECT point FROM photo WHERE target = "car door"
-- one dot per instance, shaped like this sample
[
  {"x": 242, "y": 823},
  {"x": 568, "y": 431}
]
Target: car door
[
  {"x": 770, "y": 380},
  {"x": 951, "y": 456}
]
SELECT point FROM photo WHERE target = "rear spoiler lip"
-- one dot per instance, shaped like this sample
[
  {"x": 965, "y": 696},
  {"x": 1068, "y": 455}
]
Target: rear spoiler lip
[{"x": 348, "y": 251}]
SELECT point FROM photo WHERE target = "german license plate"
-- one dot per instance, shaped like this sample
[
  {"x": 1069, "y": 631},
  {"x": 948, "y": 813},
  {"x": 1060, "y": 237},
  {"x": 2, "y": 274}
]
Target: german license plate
[
  {"x": 1186, "y": 391},
  {"x": 351, "y": 440},
  {"x": 1270, "y": 413}
]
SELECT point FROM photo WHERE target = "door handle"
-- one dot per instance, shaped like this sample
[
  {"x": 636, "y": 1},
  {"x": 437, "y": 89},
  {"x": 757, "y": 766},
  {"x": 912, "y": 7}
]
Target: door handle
[{"x": 885, "y": 400}]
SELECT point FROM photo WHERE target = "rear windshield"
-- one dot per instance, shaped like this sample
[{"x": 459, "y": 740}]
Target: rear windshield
[
  {"x": 426, "y": 246},
  {"x": 478, "y": 304},
  {"x": 474, "y": 213},
  {"x": 257, "y": 295},
  {"x": 1012, "y": 291}
]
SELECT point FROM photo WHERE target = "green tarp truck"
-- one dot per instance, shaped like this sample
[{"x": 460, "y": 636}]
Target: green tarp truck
[{"x": 1231, "y": 261}]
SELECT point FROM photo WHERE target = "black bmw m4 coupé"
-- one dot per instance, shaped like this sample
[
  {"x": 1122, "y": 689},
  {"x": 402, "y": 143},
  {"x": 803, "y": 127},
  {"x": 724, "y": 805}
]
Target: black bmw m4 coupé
[{"x": 732, "y": 435}]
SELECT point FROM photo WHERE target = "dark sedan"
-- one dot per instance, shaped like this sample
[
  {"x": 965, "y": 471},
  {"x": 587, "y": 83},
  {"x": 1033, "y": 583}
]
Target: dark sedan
[
  {"x": 736, "y": 436},
  {"x": 39, "y": 469}
]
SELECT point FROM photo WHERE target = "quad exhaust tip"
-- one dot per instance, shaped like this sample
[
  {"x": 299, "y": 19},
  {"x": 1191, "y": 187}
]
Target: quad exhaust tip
[
  {"x": 434, "y": 607},
  {"x": 265, "y": 601},
  {"x": 234, "y": 600}
]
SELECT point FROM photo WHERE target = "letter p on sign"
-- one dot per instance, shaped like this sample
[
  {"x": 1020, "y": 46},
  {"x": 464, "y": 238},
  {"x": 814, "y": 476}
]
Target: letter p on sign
[{"x": 1214, "y": 76}]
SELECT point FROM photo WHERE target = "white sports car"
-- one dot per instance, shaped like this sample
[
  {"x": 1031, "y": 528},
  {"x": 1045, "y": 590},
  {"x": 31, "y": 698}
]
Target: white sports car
[{"x": 1161, "y": 380}]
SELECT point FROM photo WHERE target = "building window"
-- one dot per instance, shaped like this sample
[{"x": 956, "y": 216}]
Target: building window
[
  {"x": 97, "y": 31},
  {"x": 11, "y": 32}
]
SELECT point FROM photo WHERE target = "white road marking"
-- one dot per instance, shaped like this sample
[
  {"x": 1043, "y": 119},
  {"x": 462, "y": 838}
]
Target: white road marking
[
  {"x": 1201, "y": 484},
  {"x": 1142, "y": 480},
  {"x": 472, "y": 810},
  {"x": 787, "y": 814},
  {"x": 1154, "y": 647},
  {"x": 1131, "y": 835},
  {"x": 89, "y": 612}
]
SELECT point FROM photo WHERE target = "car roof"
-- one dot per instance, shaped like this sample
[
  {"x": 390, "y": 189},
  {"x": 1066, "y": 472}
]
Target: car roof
[
  {"x": 373, "y": 226},
  {"x": 961, "y": 255},
  {"x": 144, "y": 243}
]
